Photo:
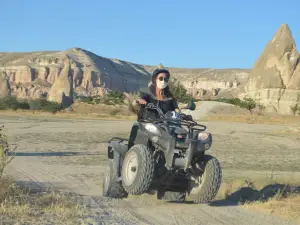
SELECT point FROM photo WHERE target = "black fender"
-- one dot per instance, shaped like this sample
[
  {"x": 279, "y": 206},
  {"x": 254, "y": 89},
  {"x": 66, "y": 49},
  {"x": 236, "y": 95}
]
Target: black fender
[{"x": 116, "y": 153}]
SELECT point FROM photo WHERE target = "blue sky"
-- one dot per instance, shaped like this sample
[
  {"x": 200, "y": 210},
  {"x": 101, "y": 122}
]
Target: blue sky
[{"x": 190, "y": 33}]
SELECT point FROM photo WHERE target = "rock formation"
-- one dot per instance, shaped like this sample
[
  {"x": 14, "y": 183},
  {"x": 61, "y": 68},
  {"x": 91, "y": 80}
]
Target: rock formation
[
  {"x": 32, "y": 74},
  {"x": 62, "y": 88},
  {"x": 275, "y": 78},
  {"x": 207, "y": 83},
  {"x": 4, "y": 85}
]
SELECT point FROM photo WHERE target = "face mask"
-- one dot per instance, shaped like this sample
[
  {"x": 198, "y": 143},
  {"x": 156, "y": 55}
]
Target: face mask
[{"x": 161, "y": 84}]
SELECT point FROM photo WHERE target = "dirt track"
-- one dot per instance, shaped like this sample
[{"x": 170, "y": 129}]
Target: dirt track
[{"x": 70, "y": 155}]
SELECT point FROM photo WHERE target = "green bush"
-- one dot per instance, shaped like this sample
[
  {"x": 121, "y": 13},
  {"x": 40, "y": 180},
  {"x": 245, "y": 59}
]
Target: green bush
[
  {"x": 180, "y": 93},
  {"x": 247, "y": 103},
  {"x": 86, "y": 99},
  {"x": 111, "y": 98},
  {"x": 44, "y": 105},
  {"x": 11, "y": 102},
  {"x": 233, "y": 101},
  {"x": 52, "y": 107}
]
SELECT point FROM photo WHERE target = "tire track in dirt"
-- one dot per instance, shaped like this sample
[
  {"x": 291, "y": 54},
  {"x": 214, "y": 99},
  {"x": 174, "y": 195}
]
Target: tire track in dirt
[
  {"x": 108, "y": 211},
  {"x": 85, "y": 181}
]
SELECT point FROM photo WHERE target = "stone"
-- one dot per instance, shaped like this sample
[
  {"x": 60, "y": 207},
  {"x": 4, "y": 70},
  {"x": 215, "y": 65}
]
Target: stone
[
  {"x": 4, "y": 85},
  {"x": 275, "y": 78},
  {"x": 91, "y": 73},
  {"x": 62, "y": 89}
]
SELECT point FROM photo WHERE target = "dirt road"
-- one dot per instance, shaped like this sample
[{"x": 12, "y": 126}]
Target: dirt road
[{"x": 70, "y": 155}]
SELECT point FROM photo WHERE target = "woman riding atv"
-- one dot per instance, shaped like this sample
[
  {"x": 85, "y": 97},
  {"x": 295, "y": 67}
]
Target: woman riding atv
[{"x": 158, "y": 93}]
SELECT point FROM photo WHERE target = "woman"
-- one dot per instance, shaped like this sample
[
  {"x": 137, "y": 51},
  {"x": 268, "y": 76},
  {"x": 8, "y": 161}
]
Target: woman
[{"x": 158, "y": 93}]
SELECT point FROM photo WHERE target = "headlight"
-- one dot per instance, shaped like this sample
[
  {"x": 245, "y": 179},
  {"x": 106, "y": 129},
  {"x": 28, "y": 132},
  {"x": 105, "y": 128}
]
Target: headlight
[
  {"x": 203, "y": 136},
  {"x": 152, "y": 128}
]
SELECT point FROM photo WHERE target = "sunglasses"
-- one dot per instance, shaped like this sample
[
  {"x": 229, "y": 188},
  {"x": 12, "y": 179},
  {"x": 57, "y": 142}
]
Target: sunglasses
[{"x": 164, "y": 78}]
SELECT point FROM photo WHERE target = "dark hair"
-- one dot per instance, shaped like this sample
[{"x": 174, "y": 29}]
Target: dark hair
[{"x": 166, "y": 91}]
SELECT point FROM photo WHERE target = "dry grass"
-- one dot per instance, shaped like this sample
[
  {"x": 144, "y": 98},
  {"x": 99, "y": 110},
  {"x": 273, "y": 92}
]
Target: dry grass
[
  {"x": 22, "y": 205},
  {"x": 287, "y": 208},
  {"x": 256, "y": 119},
  {"x": 113, "y": 114},
  {"x": 276, "y": 197}
]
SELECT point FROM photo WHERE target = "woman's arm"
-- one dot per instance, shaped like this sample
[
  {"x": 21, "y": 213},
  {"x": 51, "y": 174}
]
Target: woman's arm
[{"x": 175, "y": 105}]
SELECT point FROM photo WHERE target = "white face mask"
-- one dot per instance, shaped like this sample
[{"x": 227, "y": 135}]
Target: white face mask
[{"x": 161, "y": 84}]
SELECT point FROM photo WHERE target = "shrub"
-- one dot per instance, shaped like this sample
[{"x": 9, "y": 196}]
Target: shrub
[
  {"x": 5, "y": 147},
  {"x": 261, "y": 109},
  {"x": 129, "y": 101},
  {"x": 180, "y": 93},
  {"x": 296, "y": 109},
  {"x": 52, "y": 107},
  {"x": 37, "y": 104},
  {"x": 24, "y": 105},
  {"x": 233, "y": 101},
  {"x": 111, "y": 98},
  {"x": 115, "y": 97},
  {"x": 9, "y": 102},
  {"x": 44, "y": 105},
  {"x": 249, "y": 104},
  {"x": 86, "y": 99},
  {"x": 13, "y": 103}
]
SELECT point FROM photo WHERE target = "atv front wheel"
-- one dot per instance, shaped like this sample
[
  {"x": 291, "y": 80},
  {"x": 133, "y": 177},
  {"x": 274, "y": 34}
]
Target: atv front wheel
[
  {"x": 204, "y": 189},
  {"x": 111, "y": 186},
  {"x": 137, "y": 170}
]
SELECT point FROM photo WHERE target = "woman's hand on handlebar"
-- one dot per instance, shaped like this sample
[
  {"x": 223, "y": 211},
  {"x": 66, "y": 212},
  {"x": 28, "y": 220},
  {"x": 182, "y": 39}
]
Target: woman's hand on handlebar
[
  {"x": 186, "y": 117},
  {"x": 141, "y": 101}
]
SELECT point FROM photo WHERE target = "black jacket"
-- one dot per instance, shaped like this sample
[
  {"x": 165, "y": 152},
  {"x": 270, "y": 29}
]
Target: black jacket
[{"x": 164, "y": 105}]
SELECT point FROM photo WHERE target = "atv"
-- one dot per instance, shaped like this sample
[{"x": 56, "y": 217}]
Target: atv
[{"x": 165, "y": 155}]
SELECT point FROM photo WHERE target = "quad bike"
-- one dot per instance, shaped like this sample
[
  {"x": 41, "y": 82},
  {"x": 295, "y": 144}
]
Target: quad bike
[{"x": 166, "y": 155}]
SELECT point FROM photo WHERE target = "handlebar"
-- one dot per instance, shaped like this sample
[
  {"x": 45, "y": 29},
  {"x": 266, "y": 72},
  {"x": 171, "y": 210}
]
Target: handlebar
[{"x": 189, "y": 123}]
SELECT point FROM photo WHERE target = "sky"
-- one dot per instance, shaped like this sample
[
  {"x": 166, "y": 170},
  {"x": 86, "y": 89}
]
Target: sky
[{"x": 176, "y": 33}]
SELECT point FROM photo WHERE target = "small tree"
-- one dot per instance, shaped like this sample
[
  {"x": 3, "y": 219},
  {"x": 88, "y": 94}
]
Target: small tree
[
  {"x": 179, "y": 91},
  {"x": 295, "y": 108},
  {"x": 5, "y": 148},
  {"x": 249, "y": 104},
  {"x": 261, "y": 109}
]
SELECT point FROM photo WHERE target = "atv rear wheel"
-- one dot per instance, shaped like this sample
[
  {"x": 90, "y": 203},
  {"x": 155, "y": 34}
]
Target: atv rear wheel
[
  {"x": 207, "y": 184},
  {"x": 111, "y": 186},
  {"x": 171, "y": 196},
  {"x": 137, "y": 170}
]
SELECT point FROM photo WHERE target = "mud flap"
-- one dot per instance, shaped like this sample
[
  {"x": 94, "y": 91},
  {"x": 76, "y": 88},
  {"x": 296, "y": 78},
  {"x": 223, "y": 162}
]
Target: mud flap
[
  {"x": 117, "y": 151},
  {"x": 190, "y": 153}
]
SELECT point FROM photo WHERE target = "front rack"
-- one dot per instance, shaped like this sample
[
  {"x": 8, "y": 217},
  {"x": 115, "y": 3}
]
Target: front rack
[{"x": 189, "y": 124}]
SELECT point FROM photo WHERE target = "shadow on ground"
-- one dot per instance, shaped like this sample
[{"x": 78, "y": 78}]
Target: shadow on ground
[
  {"x": 33, "y": 187},
  {"x": 250, "y": 194},
  {"x": 51, "y": 153}
]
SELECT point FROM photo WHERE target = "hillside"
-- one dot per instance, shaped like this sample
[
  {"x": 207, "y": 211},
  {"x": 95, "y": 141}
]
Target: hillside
[
  {"x": 274, "y": 81},
  {"x": 31, "y": 74}
]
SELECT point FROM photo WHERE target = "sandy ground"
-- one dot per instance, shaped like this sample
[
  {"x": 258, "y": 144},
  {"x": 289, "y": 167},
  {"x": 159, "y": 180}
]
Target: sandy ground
[
  {"x": 204, "y": 108},
  {"x": 70, "y": 155}
]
